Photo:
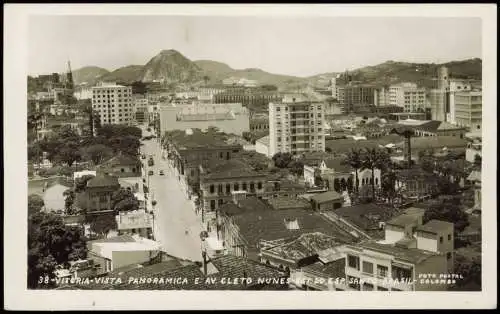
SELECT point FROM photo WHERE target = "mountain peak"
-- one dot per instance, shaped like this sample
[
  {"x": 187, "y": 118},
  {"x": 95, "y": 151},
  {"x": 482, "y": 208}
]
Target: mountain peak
[{"x": 169, "y": 52}]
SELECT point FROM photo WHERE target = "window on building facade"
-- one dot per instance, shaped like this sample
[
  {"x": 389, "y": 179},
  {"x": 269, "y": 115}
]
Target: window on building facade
[
  {"x": 368, "y": 267},
  {"x": 244, "y": 187},
  {"x": 449, "y": 237},
  {"x": 259, "y": 185},
  {"x": 228, "y": 188},
  {"x": 212, "y": 189},
  {"x": 353, "y": 261},
  {"x": 440, "y": 239},
  {"x": 219, "y": 188},
  {"x": 236, "y": 187},
  {"x": 212, "y": 204},
  {"x": 382, "y": 271},
  {"x": 448, "y": 255}
]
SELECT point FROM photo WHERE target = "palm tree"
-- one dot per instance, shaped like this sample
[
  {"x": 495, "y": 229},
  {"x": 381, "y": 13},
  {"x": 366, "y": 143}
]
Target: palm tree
[
  {"x": 375, "y": 159},
  {"x": 354, "y": 159}
]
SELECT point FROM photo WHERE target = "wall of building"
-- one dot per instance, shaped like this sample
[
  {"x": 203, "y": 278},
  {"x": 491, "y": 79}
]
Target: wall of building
[
  {"x": 426, "y": 241},
  {"x": 236, "y": 120},
  {"x": 221, "y": 192},
  {"x": 433, "y": 265},
  {"x": 393, "y": 233},
  {"x": 126, "y": 258},
  {"x": 262, "y": 148}
]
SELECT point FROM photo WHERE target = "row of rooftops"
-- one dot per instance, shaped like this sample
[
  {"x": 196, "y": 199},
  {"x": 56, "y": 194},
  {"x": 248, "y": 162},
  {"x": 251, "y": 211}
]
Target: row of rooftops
[{"x": 227, "y": 267}]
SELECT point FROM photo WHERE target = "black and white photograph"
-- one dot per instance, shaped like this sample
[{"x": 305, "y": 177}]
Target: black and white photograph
[{"x": 224, "y": 150}]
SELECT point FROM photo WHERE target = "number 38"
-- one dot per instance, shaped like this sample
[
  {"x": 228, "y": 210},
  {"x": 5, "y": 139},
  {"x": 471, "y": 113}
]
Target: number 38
[{"x": 43, "y": 279}]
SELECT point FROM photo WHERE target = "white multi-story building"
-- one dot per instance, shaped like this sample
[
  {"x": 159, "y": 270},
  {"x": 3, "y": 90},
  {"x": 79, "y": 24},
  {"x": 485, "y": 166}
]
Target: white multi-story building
[
  {"x": 296, "y": 125},
  {"x": 409, "y": 96},
  {"x": 457, "y": 86},
  {"x": 468, "y": 109},
  {"x": 113, "y": 103},
  {"x": 229, "y": 118}
]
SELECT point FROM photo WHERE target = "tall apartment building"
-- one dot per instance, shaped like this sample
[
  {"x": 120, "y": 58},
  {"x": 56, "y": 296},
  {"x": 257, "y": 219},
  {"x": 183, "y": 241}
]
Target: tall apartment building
[
  {"x": 468, "y": 109},
  {"x": 296, "y": 125},
  {"x": 357, "y": 98},
  {"x": 113, "y": 103}
]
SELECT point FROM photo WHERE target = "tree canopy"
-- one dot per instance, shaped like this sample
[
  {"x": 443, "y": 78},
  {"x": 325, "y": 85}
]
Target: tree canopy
[
  {"x": 124, "y": 200},
  {"x": 51, "y": 243},
  {"x": 35, "y": 204},
  {"x": 448, "y": 209}
]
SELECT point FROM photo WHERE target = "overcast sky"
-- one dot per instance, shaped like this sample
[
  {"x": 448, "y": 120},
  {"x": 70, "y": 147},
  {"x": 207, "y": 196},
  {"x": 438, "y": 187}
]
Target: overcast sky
[{"x": 293, "y": 46}]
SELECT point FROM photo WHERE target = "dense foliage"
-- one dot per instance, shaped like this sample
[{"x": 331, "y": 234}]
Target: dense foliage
[{"x": 51, "y": 243}]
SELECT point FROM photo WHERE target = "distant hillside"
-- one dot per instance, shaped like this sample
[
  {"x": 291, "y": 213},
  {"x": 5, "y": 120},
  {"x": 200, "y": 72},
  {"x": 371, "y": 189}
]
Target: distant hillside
[
  {"x": 171, "y": 66},
  {"x": 391, "y": 72},
  {"x": 88, "y": 74},
  {"x": 217, "y": 69},
  {"x": 126, "y": 74}
]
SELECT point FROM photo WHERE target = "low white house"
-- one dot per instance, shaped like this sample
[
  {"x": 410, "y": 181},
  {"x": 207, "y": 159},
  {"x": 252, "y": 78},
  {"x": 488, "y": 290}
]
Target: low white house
[
  {"x": 137, "y": 222},
  {"x": 121, "y": 251}
]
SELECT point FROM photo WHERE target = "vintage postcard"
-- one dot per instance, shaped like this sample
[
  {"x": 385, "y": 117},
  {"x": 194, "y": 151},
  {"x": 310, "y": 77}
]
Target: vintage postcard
[{"x": 250, "y": 156}]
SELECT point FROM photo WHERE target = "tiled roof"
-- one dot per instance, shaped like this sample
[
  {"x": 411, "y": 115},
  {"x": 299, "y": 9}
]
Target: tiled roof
[
  {"x": 248, "y": 204},
  {"x": 196, "y": 139},
  {"x": 227, "y": 267},
  {"x": 103, "y": 181},
  {"x": 118, "y": 239},
  {"x": 122, "y": 159},
  {"x": 403, "y": 220},
  {"x": 326, "y": 197},
  {"x": 306, "y": 245},
  {"x": 330, "y": 270},
  {"x": 288, "y": 203},
  {"x": 365, "y": 216},
  {"x": 233, "y": 168},
  {"x": 270, "y": 225},
  {"x": 415, "y": 256},
  {"x": 435, "y": 226},
  {"x": 338, "y": 165},
  {"x": 429, "y": 142},
  {"x": 230, "y": 266}
]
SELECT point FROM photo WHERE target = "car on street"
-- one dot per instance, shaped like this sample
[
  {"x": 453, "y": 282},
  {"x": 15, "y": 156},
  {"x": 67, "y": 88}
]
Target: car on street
[
  {"x": 162, "y": 173},
  {"x": 150, "y": 173}
]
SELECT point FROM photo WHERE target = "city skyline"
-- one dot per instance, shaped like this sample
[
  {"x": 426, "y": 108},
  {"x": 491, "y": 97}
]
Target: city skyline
[{"x": 83, "y": 40}]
